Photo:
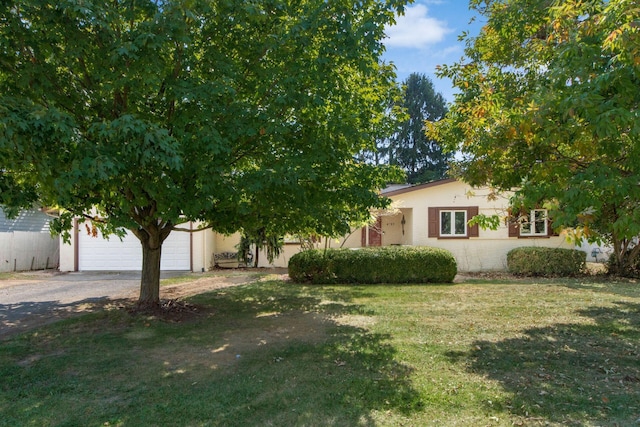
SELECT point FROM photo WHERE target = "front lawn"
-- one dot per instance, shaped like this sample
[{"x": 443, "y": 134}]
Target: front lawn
[{"x": 498, "y": 353}]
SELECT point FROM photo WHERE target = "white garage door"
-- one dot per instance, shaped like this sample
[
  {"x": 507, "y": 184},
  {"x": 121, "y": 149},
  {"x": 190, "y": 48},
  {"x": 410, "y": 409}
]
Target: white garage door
[{"x": 98, "y": 253}]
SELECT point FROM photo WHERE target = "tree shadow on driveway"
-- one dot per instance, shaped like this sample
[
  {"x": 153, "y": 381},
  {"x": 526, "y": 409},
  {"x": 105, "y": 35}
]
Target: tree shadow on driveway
[
  {"x": 568, "y": 373},
  {"x": 23, "y": 316}
]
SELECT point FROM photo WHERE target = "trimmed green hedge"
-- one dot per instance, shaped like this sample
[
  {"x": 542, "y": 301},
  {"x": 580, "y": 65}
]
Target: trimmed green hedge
[
  {"x": 389, "y": 264},
  {"x": 535, "y": 261}
]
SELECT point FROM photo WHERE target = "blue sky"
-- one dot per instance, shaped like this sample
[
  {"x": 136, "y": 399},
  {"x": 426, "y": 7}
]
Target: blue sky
[{"x": 427, "y": 36}]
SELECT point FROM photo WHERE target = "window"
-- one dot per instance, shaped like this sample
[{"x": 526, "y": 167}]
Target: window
[
  {"x": 537, "y": 224},
  {"x": 451, "y": 223}
]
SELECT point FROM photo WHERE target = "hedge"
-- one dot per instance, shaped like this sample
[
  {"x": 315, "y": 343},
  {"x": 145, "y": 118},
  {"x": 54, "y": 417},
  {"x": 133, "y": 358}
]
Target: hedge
[
  {"x": 535, "y": 261},
  {"x": 389, "y": 264}
]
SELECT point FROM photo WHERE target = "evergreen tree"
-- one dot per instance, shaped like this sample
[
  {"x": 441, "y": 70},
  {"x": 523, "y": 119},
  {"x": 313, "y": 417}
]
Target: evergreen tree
[{"x": 420, "y": 156}]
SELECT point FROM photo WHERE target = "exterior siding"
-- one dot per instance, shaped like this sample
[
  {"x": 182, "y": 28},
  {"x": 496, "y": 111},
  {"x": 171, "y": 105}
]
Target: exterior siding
[{"x": 26, "y": 242}]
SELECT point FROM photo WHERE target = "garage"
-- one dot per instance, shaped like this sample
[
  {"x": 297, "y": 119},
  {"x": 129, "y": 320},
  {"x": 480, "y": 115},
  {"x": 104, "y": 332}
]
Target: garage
[{"x": 100, "y": 254}]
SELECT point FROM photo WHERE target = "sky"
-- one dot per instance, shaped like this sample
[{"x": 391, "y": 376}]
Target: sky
[{"x": 427, "y": 36}]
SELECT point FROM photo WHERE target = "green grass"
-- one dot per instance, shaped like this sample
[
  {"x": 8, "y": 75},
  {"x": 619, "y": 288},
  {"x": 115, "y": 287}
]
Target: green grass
[
  {"x": 499, "y": 353},
  {"x": 16, "y": 275}
]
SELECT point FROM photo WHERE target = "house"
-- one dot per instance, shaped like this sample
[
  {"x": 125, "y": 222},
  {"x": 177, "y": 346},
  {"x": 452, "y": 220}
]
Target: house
[
  {"x": 26, "y": 243},
  {"x": 434, "y": 214}
]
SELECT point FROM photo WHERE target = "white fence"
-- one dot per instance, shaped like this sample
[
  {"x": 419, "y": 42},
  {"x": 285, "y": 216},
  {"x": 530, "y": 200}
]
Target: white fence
[{"x": 22, "y": 251}]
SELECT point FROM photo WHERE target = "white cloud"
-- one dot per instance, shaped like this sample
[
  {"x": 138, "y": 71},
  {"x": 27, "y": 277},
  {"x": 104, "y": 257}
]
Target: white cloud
[{"x": 415, "y": 29}]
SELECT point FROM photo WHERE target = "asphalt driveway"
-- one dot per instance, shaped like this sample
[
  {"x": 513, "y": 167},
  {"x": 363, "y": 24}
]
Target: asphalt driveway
[{"x": 45, "y": 297}]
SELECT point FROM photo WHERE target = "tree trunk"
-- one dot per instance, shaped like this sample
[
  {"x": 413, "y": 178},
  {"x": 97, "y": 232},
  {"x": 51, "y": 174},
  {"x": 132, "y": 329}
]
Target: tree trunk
[
  {"x": 624, "y": 259},
  {"x": 256, "y": 259},
  {"x": 150, "y": 281},
  {"x": 151, "y": 238}
]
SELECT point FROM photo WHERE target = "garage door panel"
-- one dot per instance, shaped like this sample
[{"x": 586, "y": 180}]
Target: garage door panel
[{"x": 98, "y": 253}]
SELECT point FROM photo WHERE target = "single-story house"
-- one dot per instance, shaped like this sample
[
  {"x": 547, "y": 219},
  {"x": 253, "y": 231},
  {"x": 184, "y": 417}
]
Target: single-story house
[
  {"x": 26, "y": 242},
  {"x": 433, "y": 214},
  {"x": 436, "y": 214}
]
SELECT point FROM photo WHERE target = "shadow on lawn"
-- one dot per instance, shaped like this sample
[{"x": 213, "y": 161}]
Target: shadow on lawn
[
  {"x": 569, "y": 373},
  {"x": 311, "y": 358},
  {"x": 271, "y": 354},
  {"x": 24, "y": 316},
  {"x": 604, "y": 284}
]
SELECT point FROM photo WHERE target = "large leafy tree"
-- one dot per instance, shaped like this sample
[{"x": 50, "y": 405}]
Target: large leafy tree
[
  {"x": 548, "y": 105},
  {"x": 145, "y": 114},
  {"x": 420, "y": 155}
]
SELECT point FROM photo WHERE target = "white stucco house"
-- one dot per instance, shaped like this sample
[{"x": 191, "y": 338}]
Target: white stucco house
[
  {"x": 436, "y": 214},
  {"x": 433, "y": 214}
]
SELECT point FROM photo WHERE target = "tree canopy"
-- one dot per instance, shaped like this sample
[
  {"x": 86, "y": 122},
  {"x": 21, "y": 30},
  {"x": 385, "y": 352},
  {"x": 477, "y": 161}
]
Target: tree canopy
[
  {"x": 420, "y": 155},
  {"x": 548, "y": 105},
  {"x": 146, "y": 114}
]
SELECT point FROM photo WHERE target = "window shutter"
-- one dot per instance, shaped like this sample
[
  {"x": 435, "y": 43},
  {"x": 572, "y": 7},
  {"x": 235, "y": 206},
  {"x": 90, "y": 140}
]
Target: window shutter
[
  {"x": 514, "y": 229},
  {"x": 473, "y": 231},
  {"x": 433, "y": 221}
]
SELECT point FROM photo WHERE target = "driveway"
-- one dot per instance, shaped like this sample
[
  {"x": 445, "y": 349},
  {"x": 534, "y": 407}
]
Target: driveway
[{"x": 39, "y": 298}]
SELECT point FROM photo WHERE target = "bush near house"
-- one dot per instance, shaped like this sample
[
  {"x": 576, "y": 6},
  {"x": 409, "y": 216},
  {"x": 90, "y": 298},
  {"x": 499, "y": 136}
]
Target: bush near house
[
  {"x": 535, "y": 261},
  {"x": 373, "y": 265}
]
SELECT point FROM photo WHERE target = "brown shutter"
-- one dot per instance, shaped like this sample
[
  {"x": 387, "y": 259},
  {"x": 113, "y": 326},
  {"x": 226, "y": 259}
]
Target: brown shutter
[
  {"x": 433, "y": 222},
  {"x": 514, "y": 228},
  {"x": 363, "y": 237},
  {"x": 473, "y": 231}
]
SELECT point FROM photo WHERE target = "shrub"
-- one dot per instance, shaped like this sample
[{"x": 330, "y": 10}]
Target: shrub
[
  {"x": 388, "y": 264},
  {"x": 535, "y": 261}
]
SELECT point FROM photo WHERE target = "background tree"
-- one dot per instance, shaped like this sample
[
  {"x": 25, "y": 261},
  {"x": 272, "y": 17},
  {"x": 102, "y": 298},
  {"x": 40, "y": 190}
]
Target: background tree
[
  {"x": 548, "y": 105},
  {"x": 255, "y": 240},
  {"x": 409, "y": 147},
  {"x": 146, "y": 114}
]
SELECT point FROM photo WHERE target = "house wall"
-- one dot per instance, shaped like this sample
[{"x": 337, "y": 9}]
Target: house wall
[
  {"x": 352, "y": 240},
  {"x": 484, "y": 253},
  {"x": 26, "y": 242},
  {"x": 67, "y": 254},
  {"x": 394, "y": 232},
  {"x": 23, "y": 250},
  {"x": 203, "y": 244}
]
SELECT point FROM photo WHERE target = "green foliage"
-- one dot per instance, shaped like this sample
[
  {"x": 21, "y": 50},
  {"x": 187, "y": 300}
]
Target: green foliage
[
  {"x": 373, "y": 265},
  {"x": 538, "y": 261},
  {"x": 486, "y": 222},
  {"x": 420, "y": 156},
  {"x": 244, "y": 250},
  {"x": 272, "y": 244},
  {"x": 146, "y": 114},
  {"x": 548, "y": 104}
]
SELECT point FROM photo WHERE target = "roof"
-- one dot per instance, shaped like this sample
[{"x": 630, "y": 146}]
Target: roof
[
  {"x": 31, "y": 220},
  {"x": 394, "y": 190}
]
